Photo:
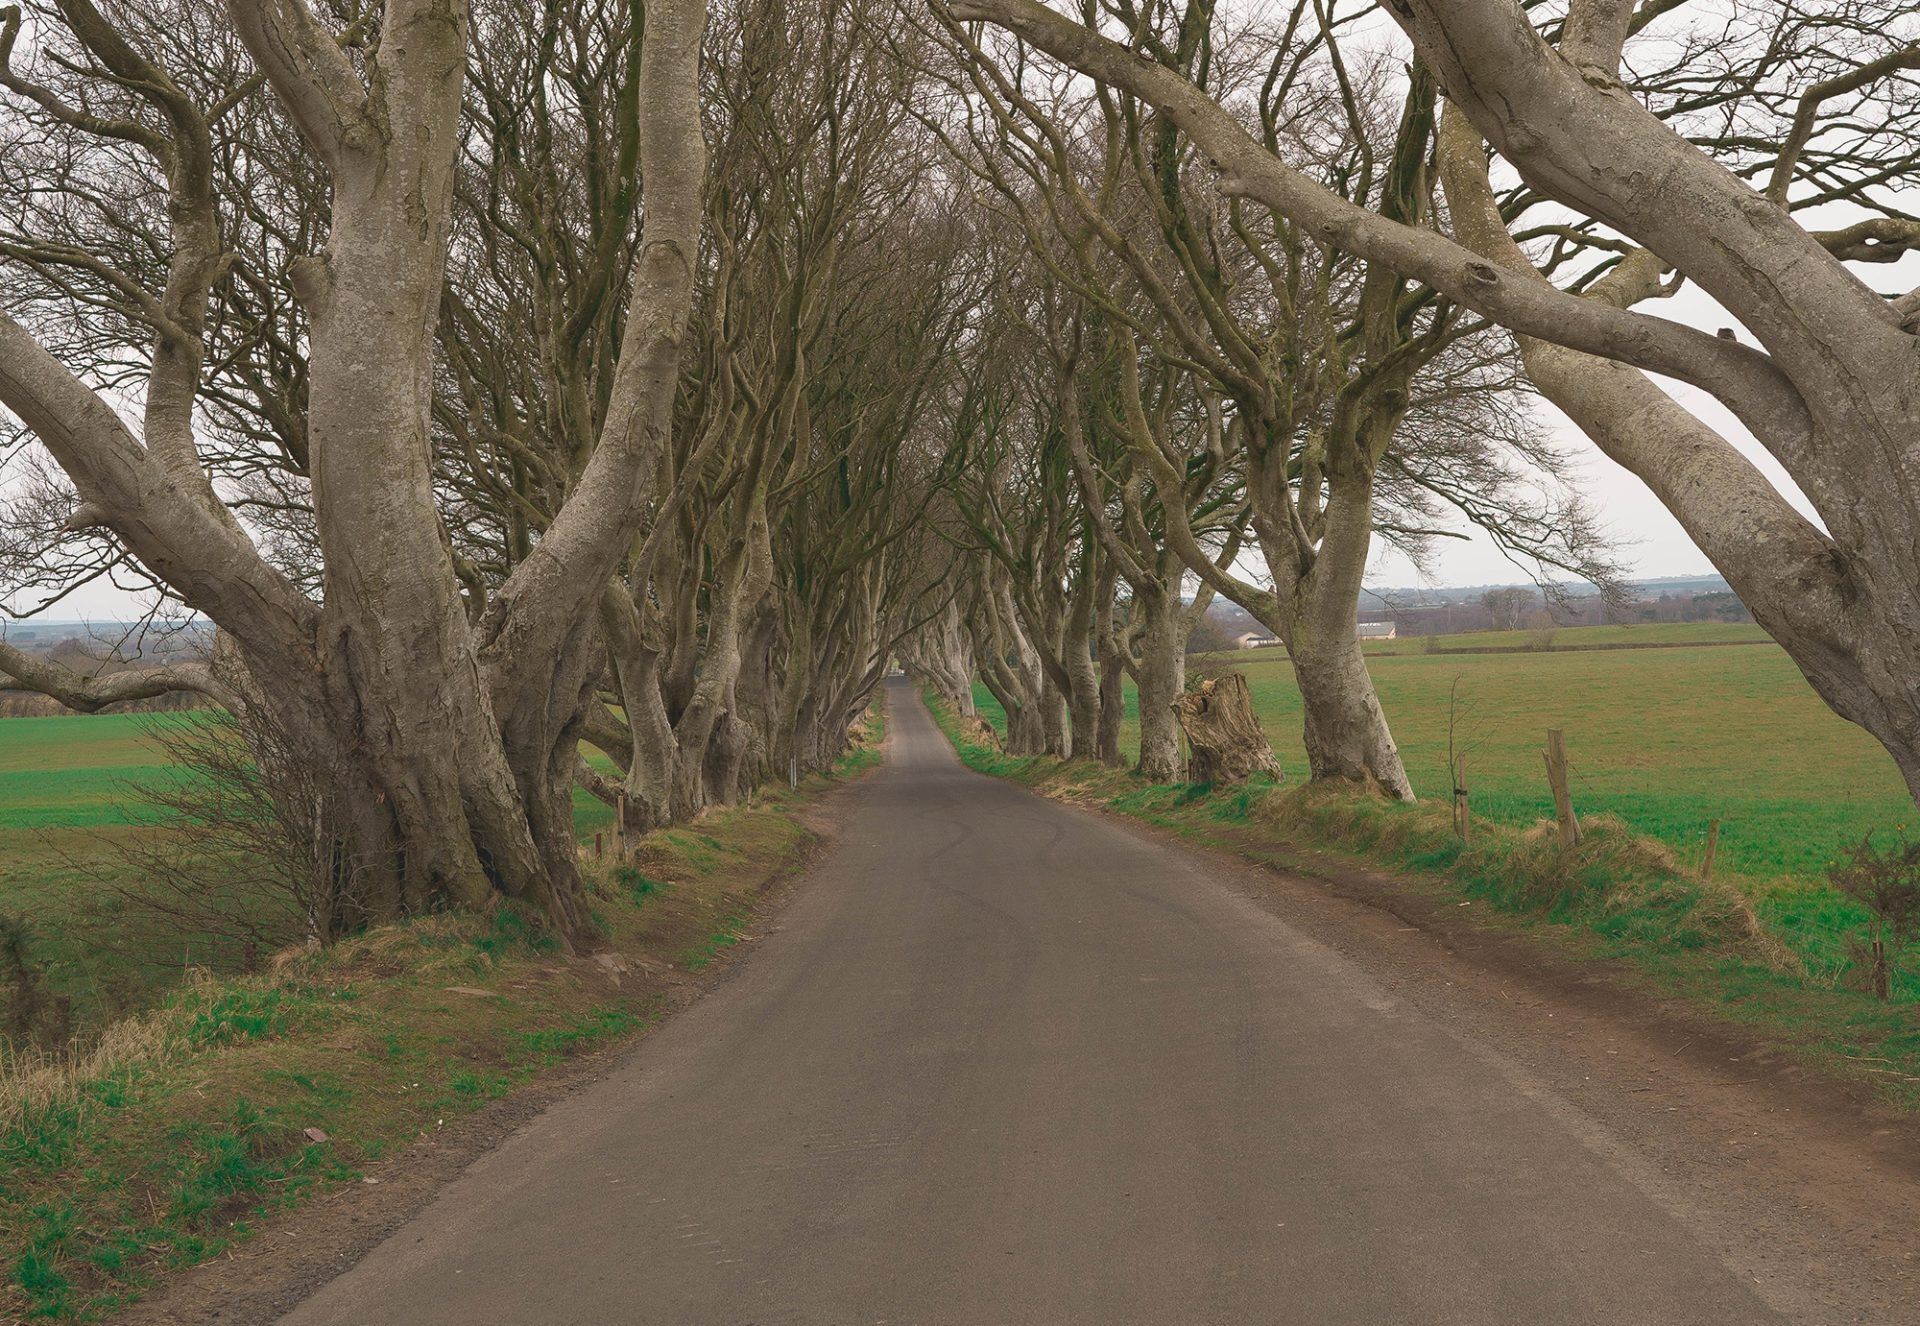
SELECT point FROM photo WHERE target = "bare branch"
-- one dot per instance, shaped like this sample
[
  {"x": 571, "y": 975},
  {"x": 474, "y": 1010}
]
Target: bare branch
[
  {"x": 1744, "y": 379},
  {"x": 309, "y": 73},
  {"x": 76, "y": 690},
  {"x": 1807, "y": 112}
]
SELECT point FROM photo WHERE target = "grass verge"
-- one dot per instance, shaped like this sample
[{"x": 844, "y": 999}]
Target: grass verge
[
  {"x": 1777, "y": 964},
  {"x": 180, "y": 1131}
]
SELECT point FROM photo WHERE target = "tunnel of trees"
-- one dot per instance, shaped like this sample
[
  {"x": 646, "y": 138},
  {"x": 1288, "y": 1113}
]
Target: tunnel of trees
[{"x": 500, "y": 377}]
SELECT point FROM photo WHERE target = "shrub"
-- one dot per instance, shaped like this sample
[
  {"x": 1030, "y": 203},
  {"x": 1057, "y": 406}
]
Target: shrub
[
  {"x": 30, "y": 1013},
  {"x": 1885, "y": 881}
]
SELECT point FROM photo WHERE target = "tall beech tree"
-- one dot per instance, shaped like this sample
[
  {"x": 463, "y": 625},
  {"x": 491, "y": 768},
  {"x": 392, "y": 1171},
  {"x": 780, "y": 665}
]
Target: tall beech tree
[
  {"x": 512, "y": 415},
  {"x": 1341, "y": 401},
  {"x": 456, "y": 720},
  {"x": 1831, "y": 386}
]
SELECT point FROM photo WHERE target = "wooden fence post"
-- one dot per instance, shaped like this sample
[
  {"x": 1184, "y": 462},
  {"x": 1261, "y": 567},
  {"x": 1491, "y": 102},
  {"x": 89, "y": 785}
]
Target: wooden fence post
[
  {"x": 598, "y": 848},
  {"x": 620, "y": 826},
  {"x": 1462, "y": 816},
  {"x": 1562, "y": 796},
  {"x": 1713, "y": 848}
]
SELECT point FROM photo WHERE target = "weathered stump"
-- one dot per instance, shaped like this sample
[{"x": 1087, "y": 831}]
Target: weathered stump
[{"x": 1228, "y": 745}]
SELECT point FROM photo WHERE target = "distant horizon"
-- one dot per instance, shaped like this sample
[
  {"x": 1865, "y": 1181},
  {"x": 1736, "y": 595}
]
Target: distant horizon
[{"x": 9, "y": 624}]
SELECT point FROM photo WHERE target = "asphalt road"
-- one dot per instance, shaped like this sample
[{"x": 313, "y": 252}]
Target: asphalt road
[{"x": 1005, "y": 1062}]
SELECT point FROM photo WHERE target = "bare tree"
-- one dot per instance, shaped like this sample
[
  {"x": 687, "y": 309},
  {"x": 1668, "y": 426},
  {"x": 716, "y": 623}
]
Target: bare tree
[
  {"x": 1507, "y": 607},
  {"x": 1344, "y": 402},
  {"x": 1830, "y": 389},
  {"x": 457, "y": 724}
]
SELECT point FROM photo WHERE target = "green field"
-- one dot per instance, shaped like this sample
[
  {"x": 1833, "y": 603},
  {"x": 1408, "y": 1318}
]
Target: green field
[
  {"x": 73, "y": 772},
  {"x": 1650, "y": 635},
  {"x": 69, "y": 802},
  {"x": 1668, "y": 739}
]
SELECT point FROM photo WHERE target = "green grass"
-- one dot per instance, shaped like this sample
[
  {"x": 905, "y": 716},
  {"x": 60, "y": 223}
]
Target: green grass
[
  {"x": 195, "y": 1131},
  {"x": 1665, "y": 739},
  {"x": 68, "y": 806},
  {"x": 73, "y": 772},
  {"x": 190, "y": 1125},
  {"x": 701, "y": 955}
]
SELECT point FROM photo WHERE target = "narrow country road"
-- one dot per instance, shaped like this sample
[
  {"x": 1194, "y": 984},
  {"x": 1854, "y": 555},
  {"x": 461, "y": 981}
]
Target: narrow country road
[{"x": 1006, "y": 1062}]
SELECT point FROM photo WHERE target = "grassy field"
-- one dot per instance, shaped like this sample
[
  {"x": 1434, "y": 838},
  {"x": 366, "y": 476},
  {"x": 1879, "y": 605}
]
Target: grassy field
[
  {"x": 73, "y": 773},
  {"x": 1651, "y": 635},
  {"x": 67, "y": 810},
  {"x": 69, "y": 803},
  {"x": 1667, "y": 739}
]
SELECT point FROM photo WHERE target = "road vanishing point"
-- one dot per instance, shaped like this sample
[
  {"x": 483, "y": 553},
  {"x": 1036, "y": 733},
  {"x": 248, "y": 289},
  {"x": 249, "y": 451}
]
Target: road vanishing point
[{"x": 1000, "y": 1061}]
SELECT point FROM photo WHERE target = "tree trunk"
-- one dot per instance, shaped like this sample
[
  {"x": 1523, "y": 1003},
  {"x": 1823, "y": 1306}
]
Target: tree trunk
[
  {"x": 1161, "y": 674},
  {"x": 399, "y": 661},
  {"x": 942, "y": 653},
  {"x": 1053, "y": 718},
  {"x": 744, "y": 576},
  {"x": 1025, "y": 734},
  {"x": 1013, "y": 672},
  {"x": 1345, "y": 730},
  {"x": 1083, "y": 697},
  {"x": 1113, "y": 675},
  {"x": 1346, "y": 733},
  {"x": 1113, "y": 710}
]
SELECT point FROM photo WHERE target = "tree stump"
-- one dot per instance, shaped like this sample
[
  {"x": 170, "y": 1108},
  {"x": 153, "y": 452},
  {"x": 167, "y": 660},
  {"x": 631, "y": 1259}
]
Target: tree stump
[{"x": 1228, "y": 745}]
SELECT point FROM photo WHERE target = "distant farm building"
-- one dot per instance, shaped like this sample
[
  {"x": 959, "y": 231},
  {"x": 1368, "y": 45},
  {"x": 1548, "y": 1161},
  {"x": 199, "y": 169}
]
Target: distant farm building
[
  {"x": 1377, "y": 631},
  {"x": 1254, "y": 640}
]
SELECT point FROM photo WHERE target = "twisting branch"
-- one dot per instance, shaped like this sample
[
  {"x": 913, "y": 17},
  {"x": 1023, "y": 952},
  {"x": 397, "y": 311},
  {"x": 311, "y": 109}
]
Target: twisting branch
[
  {"x": 309, "y": 72},
  {"x": 76, "y": 690},
  {"x": 1741, "y": 377}
]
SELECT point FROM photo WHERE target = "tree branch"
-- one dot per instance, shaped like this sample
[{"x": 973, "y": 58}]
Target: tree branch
[
  {"x": 76, "y": 690},
  {"x": 1807, "y": 112},
  {"x": 309, "y": 73},
  {"x": 582, "y": 549},
  {"x": 206, "y": 559},
  {"x": 1739, "y": 519},
  {"x": 1743, "y": 378}
]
